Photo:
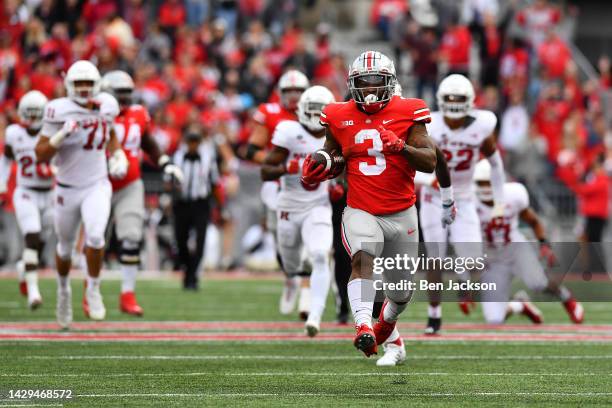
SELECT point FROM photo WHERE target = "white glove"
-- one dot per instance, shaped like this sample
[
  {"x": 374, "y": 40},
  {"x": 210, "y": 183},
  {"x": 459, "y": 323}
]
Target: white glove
[
  {"x": 118, "y": 164},
  {"x": 449, "y": 212},
  {"x": 173, "y": 171},
  {"x": 69, "y": 127}
]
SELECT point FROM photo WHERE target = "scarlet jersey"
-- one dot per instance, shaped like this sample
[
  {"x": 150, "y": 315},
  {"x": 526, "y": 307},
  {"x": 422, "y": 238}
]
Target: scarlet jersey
[
  {"x": 270, "y": 115},
  {"x": 379, "y": 183},
  {"x": 130, "y": 126}
]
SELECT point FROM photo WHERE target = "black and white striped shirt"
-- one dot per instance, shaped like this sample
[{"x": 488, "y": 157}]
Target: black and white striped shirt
[{"x": 200, "y": 170}]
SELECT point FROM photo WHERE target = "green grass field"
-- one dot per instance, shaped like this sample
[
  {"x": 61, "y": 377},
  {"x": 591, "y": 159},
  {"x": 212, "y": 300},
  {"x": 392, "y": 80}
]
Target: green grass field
[{"x": 263, "y": 363}]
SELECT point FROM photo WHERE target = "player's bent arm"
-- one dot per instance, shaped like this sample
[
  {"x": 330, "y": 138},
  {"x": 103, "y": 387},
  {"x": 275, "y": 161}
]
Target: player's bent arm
[
  {"x": 420, "y": 149},
  {"x": 150, "y": 147},
  {"x": 44, "y": 149},
  {"x": 498, "y": 177},
  {"x": 531, "y": 218},
  {"x": 273, "y": 166},
  {"x": 331, "y": 145},
  {"x": 257, "y": 143},
  {"x": 442, "y": 171}
]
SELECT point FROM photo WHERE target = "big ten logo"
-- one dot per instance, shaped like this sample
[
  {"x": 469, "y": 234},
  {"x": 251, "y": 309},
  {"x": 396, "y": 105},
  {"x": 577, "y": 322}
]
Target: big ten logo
[{"x": 347, "y": 123}]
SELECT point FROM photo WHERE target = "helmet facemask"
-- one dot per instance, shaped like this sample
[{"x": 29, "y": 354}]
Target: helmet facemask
[
  {"x": 454, "y": 106},
  {"x": 123, "y": 96},
  {"x": 31, "y": 118},
  {"x": 309, "y": 114},
  {"x": 372, "y": 90},
  {"x": 290, "y": 97},
  {"x": 484, "y": 191},
  {"x": 82, "y": 91}
]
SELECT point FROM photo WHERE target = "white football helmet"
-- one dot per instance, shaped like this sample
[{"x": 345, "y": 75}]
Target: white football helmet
[
  {"x": 120, "y": 85},
  {"x": 455, "y": 96},
  {"x": 310, "y": 106},
  {"x": 372, "y": 80},
  {"x": 82, "y": 71},
  {"x": 31, "y": 109},
  {"x": 291, "y": 85},
  {"x": 482, "y": 179}
]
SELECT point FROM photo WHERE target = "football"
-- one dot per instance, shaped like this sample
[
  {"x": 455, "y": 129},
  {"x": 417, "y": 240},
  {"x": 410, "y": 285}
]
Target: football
[{"x": 334, "y": 161}]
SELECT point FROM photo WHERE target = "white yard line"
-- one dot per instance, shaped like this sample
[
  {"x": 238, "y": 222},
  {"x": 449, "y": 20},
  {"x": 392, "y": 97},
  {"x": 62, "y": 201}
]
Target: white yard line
[
  {"x": 318, "y": 358},
  {"x": 309, "y": 394},
  {"x": 307, "y": 374}
]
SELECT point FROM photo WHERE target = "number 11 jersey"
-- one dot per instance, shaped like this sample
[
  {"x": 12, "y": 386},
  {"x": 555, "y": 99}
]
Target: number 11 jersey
[{"x": 378, "y": 183}]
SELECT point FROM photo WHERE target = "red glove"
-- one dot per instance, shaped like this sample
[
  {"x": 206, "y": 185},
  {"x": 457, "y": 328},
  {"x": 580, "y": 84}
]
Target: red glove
[
  {"x": 336, "y": 192},
  {"x": 313, "y": 172},
  {"x": 391, "y": 142},
  {"x": 547, "y": 253},
  {"x": 293, "y": 167}
]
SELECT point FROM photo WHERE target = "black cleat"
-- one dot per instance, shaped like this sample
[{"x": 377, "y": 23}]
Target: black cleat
[{"x": 433, "y": 326}]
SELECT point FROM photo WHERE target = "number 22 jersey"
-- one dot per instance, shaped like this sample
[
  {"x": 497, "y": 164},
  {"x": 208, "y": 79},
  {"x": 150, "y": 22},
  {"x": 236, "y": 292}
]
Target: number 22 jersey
[{"x": 378, "y": 183}]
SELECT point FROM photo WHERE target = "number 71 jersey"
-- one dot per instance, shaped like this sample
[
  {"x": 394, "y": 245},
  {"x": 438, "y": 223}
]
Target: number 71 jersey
[
  {"x": 378, "y": 183},
  {"x": 81, "y": 157},
  {"x": 461, "y": 147},
  {"x": 29, "y": 173}
]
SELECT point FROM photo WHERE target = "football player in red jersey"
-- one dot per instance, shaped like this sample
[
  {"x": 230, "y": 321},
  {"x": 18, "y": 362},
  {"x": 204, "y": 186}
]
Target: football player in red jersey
[
  {"x": 291, "y": 86},
  {"x": 132, "y": 130},
  {"x": 384, "y": 141}
]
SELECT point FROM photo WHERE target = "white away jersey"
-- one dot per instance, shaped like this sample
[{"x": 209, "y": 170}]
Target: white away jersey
[
  {"x": 29, "y": 172},
  {"x": 293, "y": 195},
  {"x": 516, "y": 199},
  {"x": 81, "y": 157},
  {"x": 461, "y": 147}
]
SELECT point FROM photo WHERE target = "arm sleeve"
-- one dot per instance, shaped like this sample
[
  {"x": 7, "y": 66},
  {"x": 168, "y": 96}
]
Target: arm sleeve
[
  {"x": 498, "y": 178},
  {"x": 260, "y": 115}
]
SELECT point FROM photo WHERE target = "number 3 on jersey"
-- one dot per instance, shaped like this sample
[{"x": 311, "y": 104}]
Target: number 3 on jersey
[{"x": 375, "y": 151}]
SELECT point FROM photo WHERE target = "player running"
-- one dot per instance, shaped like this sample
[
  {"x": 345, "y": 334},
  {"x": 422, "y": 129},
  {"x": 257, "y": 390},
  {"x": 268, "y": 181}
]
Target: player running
[
  {"x": 132, "y": 130},
  {"x": 32, "y": 198},
  {"x": 76, "y": 134},
  {"x": 383, "y": 140},
  {"x": 291, "y": 85},
  {"x": 304, "y": 215},
  {"x": 509, "y": 254},
  {"x": 463, "y": 134}
]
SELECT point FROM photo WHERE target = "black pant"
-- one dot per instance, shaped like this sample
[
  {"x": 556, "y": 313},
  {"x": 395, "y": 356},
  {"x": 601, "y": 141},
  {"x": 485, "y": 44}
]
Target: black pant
[
  {"x": 188, "y": 216},
  {"x": 342, "y": 261}
]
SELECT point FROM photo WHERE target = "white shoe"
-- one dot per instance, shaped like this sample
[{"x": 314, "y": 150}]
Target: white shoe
[
  {"x": 304, "y": 303},
  {"x": 289, "y": 296},
  {"x": 97, "y": 311},
  {"x": 34, "y": 297},
  {"x": 312, "y": 326},
  {"x": 394, "y": 354},
  {"x": 63, "y": 311}
]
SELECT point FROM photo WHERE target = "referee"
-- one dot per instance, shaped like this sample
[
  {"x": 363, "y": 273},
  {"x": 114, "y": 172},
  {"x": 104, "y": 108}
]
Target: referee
[{"x": 197, "y": 158}]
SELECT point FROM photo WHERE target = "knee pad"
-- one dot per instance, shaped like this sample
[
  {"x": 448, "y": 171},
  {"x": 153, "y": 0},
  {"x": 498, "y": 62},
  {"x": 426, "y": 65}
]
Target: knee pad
[
  {"x": 95, "y": 242},
  {"x": 319, "y": 258},
  {"x": 399, "y": 296},
  {"x": 64, "y": 249},
  {"x": 30, "y": 256},
  {"x": 130, "y": 252}
]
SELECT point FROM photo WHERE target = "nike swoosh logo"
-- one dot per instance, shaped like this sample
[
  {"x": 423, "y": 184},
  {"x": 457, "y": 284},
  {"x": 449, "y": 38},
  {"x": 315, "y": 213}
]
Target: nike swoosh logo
[
  {"x": 411, "y": 230},
  {"x": 387, "y": 121}
]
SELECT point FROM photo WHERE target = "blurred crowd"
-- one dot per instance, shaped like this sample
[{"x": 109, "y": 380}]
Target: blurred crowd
[{"x": 212, "y": 62}]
